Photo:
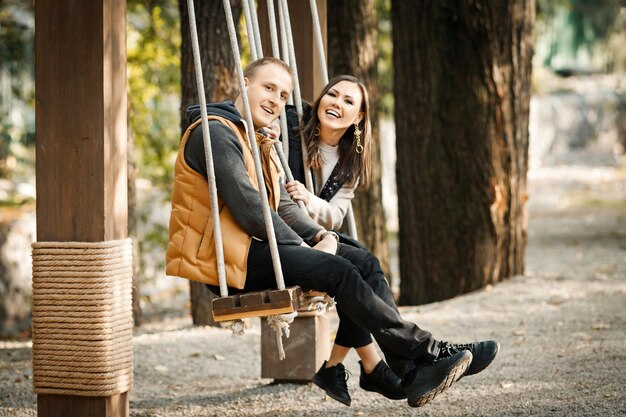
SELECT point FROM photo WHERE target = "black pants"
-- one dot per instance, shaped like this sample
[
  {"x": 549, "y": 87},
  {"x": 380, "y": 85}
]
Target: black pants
[{"x": 364, "y": 301}]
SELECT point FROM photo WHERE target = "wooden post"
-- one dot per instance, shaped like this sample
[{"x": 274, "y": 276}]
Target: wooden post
[
  {"x": 309, "y": 344},
  {"x": 305, "y": 350},
  {"x": 80, "y": 49}
]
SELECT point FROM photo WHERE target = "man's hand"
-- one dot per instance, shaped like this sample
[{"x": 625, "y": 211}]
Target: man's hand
[
  {"x": 297, "y": 191},
  {"x": 328, "y": 244},
  {"x": 273, "y": 131}
]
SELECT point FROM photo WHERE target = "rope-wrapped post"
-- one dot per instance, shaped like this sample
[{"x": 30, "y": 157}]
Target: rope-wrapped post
[{"x": 82, "y": 318}]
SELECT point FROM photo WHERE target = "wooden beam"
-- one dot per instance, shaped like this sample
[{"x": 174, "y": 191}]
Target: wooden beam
[
  {"x": 67, "y": 405},
  {"x": 81, "y": 120},
  {"x": 311, "y": 81},
  {"x": 80, "y": 74}
]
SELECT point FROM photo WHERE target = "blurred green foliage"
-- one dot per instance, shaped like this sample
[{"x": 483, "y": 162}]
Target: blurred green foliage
[
  {"x": 17, "y": 87},
  {"x": 578, "y": 33},
  {"x": 563, "y": 28},
  {"x": 153, "y": 67}
]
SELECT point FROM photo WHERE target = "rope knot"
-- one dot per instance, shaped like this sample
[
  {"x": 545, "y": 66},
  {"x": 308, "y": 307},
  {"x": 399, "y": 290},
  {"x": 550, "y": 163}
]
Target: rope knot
[{"x": 280, "y": 323}]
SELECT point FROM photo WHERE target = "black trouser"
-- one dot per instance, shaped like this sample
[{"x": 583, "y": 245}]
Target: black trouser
[{"x": 364, "y": 301}]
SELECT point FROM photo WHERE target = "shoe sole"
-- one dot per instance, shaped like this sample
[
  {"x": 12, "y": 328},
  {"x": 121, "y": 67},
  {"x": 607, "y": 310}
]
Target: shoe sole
[
  {"x": 454, "y": 375},
  {"x": 320, "y": 383},
  {"x": 400, "y": 396}
]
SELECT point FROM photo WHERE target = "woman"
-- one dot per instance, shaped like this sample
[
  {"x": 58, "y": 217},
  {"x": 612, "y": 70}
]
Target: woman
[{"x": 337, "y": 134}]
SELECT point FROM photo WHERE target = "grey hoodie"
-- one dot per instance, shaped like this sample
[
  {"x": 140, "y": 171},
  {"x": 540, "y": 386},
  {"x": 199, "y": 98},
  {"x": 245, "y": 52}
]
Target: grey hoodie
[{"x": 291, "y": 224}]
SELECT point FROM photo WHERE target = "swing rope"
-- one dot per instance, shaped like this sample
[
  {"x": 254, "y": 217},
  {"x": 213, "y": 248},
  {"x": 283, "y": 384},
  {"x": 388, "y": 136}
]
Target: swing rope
[
  {"x": 271, "y": 14},
  {"x": 269, "y": 226},
  {"x": 319, "y": 43},
  {"x": 277, "y": 322},
  {"x": 318, "y": 303},
  {"x": 286, "y": 23},
  {"x": 208, "y": 153},
  {"x": 236, "y": 326}
]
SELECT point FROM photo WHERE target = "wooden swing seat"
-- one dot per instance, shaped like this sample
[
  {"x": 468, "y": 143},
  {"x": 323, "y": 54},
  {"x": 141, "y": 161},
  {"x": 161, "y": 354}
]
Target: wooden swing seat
[{"x": 256, "y": 304}]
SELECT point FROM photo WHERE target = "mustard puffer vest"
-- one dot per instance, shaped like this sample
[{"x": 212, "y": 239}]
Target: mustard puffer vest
[{"x": 191, "y": 251}]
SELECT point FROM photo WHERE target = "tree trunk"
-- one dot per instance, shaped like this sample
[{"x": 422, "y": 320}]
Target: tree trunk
[
  {"x": 220, "y": 79},
  {"x": 462, "y": 92},
  {"x": 352, "y": 49}
]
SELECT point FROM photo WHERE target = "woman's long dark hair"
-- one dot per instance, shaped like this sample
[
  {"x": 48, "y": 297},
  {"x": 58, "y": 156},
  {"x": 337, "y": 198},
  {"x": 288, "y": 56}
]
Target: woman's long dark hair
[{"x": 352, "y": 165}]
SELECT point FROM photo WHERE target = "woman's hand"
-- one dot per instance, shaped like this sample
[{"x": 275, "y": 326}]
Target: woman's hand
[
  {"x": 297, "y": 191},
  {"x": 273, "y": 131}
]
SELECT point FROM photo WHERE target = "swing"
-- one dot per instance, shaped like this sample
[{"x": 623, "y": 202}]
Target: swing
[{"x": 283, "y": 300}]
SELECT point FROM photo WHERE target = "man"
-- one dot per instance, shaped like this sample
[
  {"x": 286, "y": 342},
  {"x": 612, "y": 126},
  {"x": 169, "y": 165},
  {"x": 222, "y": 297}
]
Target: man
[{"x": 351, "y": 275}]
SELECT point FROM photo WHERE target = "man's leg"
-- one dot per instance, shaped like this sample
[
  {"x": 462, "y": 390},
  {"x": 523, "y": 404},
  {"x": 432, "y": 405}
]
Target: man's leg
[{"x": 340, "y": 278}]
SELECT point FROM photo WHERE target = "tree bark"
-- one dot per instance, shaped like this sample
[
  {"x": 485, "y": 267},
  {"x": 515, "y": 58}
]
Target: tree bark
[
  {"x": 462, "y": 92},
  {"x": 220, "y": 83},
  {"x": 352, "y": 49}
]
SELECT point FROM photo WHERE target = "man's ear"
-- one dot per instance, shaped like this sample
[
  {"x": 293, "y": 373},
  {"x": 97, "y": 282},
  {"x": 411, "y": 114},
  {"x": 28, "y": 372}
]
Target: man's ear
[{"x": 245, "y": 80}]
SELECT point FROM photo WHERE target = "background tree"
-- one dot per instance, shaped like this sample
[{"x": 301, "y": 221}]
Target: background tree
[
  {"x": 220, "y": 83},
  {"x": 462, "y": 91},
  {"x": 352, "y": 49}
]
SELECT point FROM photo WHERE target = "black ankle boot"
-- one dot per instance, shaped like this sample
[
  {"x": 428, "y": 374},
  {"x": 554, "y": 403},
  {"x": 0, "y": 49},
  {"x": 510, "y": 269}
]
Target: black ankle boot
[
  {"x": 333, "y": 381},
  {"x": 383, "y": 381}
]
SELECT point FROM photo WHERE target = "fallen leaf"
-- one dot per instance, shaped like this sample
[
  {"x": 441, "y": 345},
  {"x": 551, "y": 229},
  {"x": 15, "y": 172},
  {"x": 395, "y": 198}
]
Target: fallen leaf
[
  {"x": 218, "y": 357},
  {"x": 600, "y": 326},
  {"x": 160, "y": 368}
]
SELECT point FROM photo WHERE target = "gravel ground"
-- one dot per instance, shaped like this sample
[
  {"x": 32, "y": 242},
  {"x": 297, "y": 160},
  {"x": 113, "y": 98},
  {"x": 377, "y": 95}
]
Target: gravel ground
[{"x": 561, "y": 327}]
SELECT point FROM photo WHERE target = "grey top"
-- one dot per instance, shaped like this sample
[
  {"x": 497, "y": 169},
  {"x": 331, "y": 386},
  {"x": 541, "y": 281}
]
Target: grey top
[{"x": 234, "y": 186}]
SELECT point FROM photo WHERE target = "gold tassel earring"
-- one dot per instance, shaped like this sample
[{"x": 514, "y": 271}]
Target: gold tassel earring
[{"x": 357, "y": 138}]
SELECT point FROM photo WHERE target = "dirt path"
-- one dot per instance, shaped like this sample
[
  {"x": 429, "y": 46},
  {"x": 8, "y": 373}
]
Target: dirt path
[{"x": 562, "y": 328}]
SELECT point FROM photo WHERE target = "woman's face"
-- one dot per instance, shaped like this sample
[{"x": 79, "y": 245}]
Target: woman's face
[{"x": 340, "y": 107}]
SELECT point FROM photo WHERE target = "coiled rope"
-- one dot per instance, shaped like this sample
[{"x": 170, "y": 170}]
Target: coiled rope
[{"x": 82, "y": 317}]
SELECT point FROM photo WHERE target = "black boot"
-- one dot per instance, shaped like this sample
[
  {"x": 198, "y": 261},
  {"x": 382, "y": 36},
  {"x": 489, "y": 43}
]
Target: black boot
[
  {"x": 430, "y": 379},
  {"x": 383, "y": 381},
  {"x": 483, "y": 353},
  {"x": 333, "y": 381}
]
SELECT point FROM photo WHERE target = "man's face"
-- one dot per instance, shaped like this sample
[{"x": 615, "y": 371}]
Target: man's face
[{"x": 268, "y": 90}]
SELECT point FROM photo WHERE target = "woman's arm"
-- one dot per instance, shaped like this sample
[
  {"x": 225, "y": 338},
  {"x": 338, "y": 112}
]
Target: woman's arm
[{"x": 330, "y": 214}]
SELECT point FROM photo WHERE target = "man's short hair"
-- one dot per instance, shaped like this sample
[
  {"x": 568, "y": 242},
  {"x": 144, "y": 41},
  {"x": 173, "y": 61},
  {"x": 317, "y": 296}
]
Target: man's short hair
[{"x": 252, "y": 67}]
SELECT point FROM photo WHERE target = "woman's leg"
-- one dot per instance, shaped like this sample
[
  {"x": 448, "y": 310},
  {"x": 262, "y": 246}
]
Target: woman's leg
[
  {"x": 368, "y": 354},
  {"x": 369, "y": 357}
]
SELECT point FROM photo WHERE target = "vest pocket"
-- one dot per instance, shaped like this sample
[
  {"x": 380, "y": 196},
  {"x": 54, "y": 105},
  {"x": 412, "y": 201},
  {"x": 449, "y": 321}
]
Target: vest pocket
[{"x": 206, "y": 250}]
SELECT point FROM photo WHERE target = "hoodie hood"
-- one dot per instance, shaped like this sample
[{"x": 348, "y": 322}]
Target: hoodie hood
[{"x": 225, "y": 109}]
